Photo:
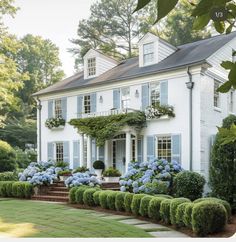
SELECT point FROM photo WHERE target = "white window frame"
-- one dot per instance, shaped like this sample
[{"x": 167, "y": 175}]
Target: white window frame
[
  {"x": 216, "y": 95},
  {"x": 231, "y": 101},
  {"x": 55, "y": 151},
  {"x": 125, "y": 99},
  {"x": 87, "y": 107},
  {"x": 148, "y": 53},
  {"x": 57, "y": 113},
  {"x": 91, "y": 66},
  {"x": 150, "y": 92},
  {"x": 157, "y": 137}
]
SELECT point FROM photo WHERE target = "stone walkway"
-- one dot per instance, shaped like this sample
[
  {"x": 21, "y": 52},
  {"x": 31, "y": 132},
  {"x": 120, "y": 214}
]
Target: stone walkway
[{"x": 156, "y": 230}]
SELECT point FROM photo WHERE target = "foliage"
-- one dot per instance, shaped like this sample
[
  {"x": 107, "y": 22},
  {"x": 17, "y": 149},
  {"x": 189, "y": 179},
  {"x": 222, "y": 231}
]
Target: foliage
[
  {"x": 111, "y": 172},
  {"x": 157, "y": 111},
  {"x": 25, "y": 157},
  {"x": 144, "y": 177},
  {"x": 189, "y": 184},
  {"x": 208, "y": 217},
  {"x": 72, "y": 194},
  {"x": 165, "y": 211},
  {"x": 80, "y": 169},
  {"x": 8, "y": 176},
  {"x": 104, "y": 127},
  {"x": 79, "y": 193},
  {"x": 163, "y": 196},
  {"x": 64, "y": 173},
  {"x": 98, "y": 164},
  {"x": 180, "y": 214},
  {"x": 6, "y": 188},
  {"x": 154, "y": 208},
  {"x": 22, "y": 189},
  {"x": 88, "y": 196},
  {"x": 103, "y": 199},
  {"x": 187, "y": 219},
  {"x": 144, "y": 204},
  {"x": 135, "y": 205},
  {"x": 120, "y": 201},
  {"x": 128, "y": 201},
  {"x": 96, "y": 198},
  {"x": 61, "y": 164},
  {"x": 7, "y": 157},
  {"x": 223, "y": 167},
  {"x": 111, "y": 199},
  {"x": 55, "y": 122}
]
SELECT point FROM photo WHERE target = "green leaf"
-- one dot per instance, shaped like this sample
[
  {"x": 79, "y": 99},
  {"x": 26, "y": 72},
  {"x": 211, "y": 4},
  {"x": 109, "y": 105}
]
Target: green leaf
[
  {"x": 220, "y": 27},
  {"x": 201, "y": 21},
  {"x": 229, "y": 29},
  {"x": 225, "y": 87},
  {"x": 232, "y": 74},
  {"x": 227, "y": 65},
  {"x": 164, "y": 7},
  {"x": 203, "y": 7},
  {"x": 141, "y": 4}
]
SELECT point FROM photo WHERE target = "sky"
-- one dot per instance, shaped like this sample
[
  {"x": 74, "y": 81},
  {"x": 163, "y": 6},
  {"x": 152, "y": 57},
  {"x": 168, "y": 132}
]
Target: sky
[{"x": 56, "y": 20}]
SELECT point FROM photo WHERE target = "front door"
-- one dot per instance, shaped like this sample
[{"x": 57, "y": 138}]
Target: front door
[{"x": 120, "y": 156}]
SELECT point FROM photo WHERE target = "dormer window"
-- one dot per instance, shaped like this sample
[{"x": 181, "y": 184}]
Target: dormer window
[
  {"x": 148, "y": 53},
  {"x": 92, "y": 66}
]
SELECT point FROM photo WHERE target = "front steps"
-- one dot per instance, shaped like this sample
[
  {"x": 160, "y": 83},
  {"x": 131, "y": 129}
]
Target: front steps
[{"x": 115, "y": 186}]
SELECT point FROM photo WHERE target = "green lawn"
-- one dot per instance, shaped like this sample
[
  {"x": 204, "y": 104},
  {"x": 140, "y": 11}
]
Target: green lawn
[{"x": 24, "y": 218}]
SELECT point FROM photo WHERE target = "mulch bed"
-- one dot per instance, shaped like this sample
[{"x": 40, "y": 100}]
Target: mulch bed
[{"x": 229, "y": 230}]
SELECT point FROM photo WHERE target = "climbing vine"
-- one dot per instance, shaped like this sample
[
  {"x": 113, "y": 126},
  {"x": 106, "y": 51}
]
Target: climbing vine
[{"x": 105, "y": 127}]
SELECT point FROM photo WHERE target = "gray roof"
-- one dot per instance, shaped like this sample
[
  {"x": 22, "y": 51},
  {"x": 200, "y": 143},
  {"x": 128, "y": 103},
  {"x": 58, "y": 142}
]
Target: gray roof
[{"x": 188, "y": 54}]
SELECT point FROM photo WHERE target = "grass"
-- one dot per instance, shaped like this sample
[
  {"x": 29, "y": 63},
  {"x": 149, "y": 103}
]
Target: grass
[{"x": 24, "y": 218}]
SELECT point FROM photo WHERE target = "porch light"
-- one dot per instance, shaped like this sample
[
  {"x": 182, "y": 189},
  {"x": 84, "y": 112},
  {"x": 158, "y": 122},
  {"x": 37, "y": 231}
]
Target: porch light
[
  {"x": 100, "y": 99},
  {"x": 136, "y": 93}
]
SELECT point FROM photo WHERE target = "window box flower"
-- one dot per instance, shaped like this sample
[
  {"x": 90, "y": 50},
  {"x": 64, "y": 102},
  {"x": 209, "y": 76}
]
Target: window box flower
[
  {"x": 111, "y": 175},
  {"x": 159, "y": 112},
  {"x": 55, "y": 123}
]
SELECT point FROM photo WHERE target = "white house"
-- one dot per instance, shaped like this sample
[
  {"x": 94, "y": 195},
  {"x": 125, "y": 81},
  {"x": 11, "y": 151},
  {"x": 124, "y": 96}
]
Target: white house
[{"x": 185, "y": 77}]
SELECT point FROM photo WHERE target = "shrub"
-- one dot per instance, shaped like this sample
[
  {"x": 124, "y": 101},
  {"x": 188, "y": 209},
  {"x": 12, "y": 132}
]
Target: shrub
[
  {"x": 88, "y": 196},
  {"x": 180, "y": 214},
  {"x": 188, "y": 215},
  {"x": 165, "y": 211},
  {"x": 61, "y": 164},
  {"x": 79, "y": 194},
  {"x": 143, "y": 210},
  {"x": 128, "y": 201},
  {"x": 154, "y": 208},
  {"x": 111, "y": 199},
  {"x": 173, "y": 208},
  {"x": 189, "y": 184},
  {"x": 120, "y": 201},
  {"x": 7, "y": 157},
  {"x": 8, "y": 176},
  {"x": 155, "y": 187},
  {"x": 103, "y": 198},
  {"x": 6, "y": 188},
  {"x": 111, "y": 172},
  {"x": 81, "y": 169},
  {"x": 214, "y": 199},
  {"x": 135, "y": 205},
  {"x": 72, "y": 194},
  {"x": 22, "y": 189},
  {"x": 96, "y": 198},
  {"x": 29, "y": 190},
  {"x": 164, "y": 196},
  {"x": 98, "y": 164},
  {"x": 208, "y": 217}
]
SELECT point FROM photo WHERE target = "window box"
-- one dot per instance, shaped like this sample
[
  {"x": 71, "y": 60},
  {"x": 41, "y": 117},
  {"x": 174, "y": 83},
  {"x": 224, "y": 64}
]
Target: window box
[
  {"x": 55, "y": 123},
  {"x": 60, "y": 127},
  {"x": 159, "y": 112}
]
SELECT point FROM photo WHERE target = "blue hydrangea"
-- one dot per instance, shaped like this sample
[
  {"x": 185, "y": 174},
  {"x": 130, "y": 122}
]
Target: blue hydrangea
[{"x": 123, "y": 189}]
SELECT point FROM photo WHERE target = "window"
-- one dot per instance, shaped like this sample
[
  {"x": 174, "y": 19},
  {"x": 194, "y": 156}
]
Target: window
[
  {"x": 216, "y": 94},
  {"x": 91, "y": 66},
  {"x": 231, "y": 101},
  {"x": 164, "y": 147},
  {"x": 87, "y": 104},
  {"x": 148, "y": 53},
  {"x": 233, "y": 55},
  {"x": 58, "y": 108},
  {"x": 125, "y": 97},
  {"x": 155, "y": 93},
  {"x": 59, "y": 151}
]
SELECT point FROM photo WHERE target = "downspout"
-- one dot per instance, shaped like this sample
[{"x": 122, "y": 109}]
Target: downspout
[
  {"x": 190, "y": 85},
  {"x": 39, "y": 107}
]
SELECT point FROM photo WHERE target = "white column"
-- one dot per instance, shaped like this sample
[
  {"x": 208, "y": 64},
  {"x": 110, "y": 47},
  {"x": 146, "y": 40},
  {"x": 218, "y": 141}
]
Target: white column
[
  {"x": 97, "y": 158},
  {"x": 89, "y": 152},
  {"x": 106, "y": 154},
  {"x": 127, "y": 150},
  {"x": 81, "y": 151},
  {"x": 136, "y": 147},
  {"x": 144, "y": 148}
]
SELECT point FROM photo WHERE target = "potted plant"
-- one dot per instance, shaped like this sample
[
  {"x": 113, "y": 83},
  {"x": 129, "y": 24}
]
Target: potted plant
[
  {"x": 63, "y": 175},
  {"x": 81, "y": 169},
  {"x": 98, "y": 166},
  {"x": 111, "y": 175}
]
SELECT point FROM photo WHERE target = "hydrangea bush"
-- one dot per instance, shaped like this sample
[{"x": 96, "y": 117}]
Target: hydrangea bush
[{"x": 149, "y": 177}]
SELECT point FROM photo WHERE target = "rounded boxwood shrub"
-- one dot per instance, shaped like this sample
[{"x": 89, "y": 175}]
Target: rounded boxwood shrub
[
  {"x": 188, "y": 215},
  {"x": 128, "y": 201},
  {"x": 135, "y": 205},
  {"x": 180, "y": 214},
  {"x": 6, "y": 188},
  {"x": 154, "y": 208},
  {"x": 96, "y": 197},
  {"x": 189, "y": 184},
  {"x": 163, "y": 195},
  {"x": 7, "y": 157},
  {"x": 120, "y": 201},
  {"x": 165, "y": 211},
  {"x": 22, "y": 189},
  {"x": 72, "y": 194},
  {"x": 103, "y": 199},
  {"x": 111, "y": 199},
  {"x": 214, "y": 199},
  {"x": 208, "y": 217},
  {"x": 143, "y": 210},
  {"x": 88, "y": 196},
  {"x": 98, "y": 164},
  {"x": 79, "y": 194},
  {"x": 29, "y": 190},
  {"x": 173, "y": 207}
]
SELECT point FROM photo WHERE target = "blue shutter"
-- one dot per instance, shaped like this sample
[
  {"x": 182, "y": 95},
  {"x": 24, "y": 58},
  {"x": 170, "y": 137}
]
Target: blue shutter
[
  {"x": 101, "y": 153},
  {"x": 164, "y": 93},
  {"x": 94, "y": 150},
  {"x": 50, "y": 109},
  {"x": 50, "y": 151},
  {"x": 93, "y": 102},
  {"x": 116, "y": 98},
  {"x": 140, "y": 150},
  {"x": 79, "y": 106},
  {"x": 76, "y": 154},
  {"x": 64, "y": 107},
  {"x": 176, "y": 147},
  {"x": 66, "y": 152},
  {"x": 150, "y": 148},
  {"x": 145, "y": 96}
]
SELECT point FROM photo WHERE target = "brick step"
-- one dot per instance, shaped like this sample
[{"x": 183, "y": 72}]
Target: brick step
[
  {"x": 112, "y": 188},
  {"x": 58, "y": 193},
  {"x": 50, "y": 198},
  {"x": 62, "y": 189},
  {"x": 58, "y": 184},
  {"x": 110, "y": 185}
]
